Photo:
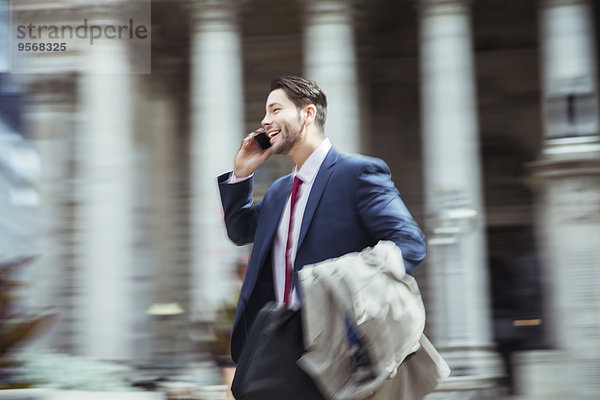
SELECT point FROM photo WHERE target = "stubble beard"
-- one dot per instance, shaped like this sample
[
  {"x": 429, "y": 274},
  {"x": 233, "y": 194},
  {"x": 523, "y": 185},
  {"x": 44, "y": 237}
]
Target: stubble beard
[{"x": 289, "y": 137}]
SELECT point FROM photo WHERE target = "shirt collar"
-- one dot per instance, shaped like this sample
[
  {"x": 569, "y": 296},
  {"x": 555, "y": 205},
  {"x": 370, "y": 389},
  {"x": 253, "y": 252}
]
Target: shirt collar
[{"x": 311, "y": 166}]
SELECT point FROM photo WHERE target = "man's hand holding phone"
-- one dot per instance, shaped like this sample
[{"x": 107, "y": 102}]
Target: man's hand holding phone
[{"x": 251, "y": 155}]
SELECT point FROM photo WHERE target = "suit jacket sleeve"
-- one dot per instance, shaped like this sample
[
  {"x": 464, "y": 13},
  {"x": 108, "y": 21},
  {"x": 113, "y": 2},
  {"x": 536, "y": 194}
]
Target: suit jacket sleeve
[
  {"x": 239, "y": 213},
  {"x": 385, "y": 216}
]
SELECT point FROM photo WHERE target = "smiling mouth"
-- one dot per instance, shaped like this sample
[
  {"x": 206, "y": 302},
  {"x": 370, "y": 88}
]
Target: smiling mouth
[{"x": 272, "y": 134}]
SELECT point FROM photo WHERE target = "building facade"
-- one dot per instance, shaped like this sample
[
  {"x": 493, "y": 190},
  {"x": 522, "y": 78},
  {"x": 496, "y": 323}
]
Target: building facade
[{"x": 486, "y": 112}]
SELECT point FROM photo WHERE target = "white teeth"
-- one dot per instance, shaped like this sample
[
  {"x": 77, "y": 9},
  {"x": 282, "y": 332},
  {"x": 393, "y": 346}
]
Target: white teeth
[{"x": 273, "y": 133}]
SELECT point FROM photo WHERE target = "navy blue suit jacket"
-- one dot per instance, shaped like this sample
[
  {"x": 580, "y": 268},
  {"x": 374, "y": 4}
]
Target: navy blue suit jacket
[{"x": 353, "y": 204}]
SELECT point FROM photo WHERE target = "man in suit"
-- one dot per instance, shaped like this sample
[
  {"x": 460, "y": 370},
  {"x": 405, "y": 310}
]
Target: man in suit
[{"x": 332, "y": 204}]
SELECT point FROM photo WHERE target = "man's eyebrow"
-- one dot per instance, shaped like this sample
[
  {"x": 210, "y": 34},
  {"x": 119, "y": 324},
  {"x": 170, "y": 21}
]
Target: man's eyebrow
[{"x": 271, "y": 105}]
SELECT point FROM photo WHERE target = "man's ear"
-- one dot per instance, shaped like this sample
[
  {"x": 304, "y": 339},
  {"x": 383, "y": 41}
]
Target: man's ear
[{"x": 310, "y": 113}]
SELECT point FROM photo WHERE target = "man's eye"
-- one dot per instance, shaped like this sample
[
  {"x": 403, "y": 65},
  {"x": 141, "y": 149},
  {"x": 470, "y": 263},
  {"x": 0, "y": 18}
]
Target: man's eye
[{"x": 276, "y": 110}]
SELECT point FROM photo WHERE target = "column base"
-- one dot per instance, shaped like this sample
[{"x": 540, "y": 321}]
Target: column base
[
  {"x": 476, "y": 373},
  {"x": 540, "y": 374},
  {"x": 469, "y": 388},
  {"x": 473, "y": 361},
  {"x": 569, "y": 233},
  {"x": 555, "y": 375}
]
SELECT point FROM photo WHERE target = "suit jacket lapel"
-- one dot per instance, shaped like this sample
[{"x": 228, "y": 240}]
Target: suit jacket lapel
[{"x": 317, "y": 191}]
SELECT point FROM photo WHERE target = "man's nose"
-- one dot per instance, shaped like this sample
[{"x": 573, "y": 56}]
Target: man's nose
[{"x": 266, "y": 121}]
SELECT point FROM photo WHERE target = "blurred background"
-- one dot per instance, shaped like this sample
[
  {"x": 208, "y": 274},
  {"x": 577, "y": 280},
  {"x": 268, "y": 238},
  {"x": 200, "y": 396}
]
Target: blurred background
[{"x": 486, "y": 111}]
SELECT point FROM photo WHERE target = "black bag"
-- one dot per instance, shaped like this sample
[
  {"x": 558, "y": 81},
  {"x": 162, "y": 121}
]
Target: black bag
[{"x": 267, "y": 368}]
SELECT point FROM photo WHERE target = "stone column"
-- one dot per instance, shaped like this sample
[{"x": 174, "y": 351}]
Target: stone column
[
  {"x": 567, "y": 179},
  {"x": 168, "y": 306},
  {"x": 19, "y": 164},
  {"x": 457, "y": 259},
  {"x": 330, "y": 60},
  {"x": 217, "y": 131},
  {"x": 569, "y": 76},
  {"x": 106, "y": 205},
  {"x": 50, "y": 120},
  {"x": 4, "y": 36}
]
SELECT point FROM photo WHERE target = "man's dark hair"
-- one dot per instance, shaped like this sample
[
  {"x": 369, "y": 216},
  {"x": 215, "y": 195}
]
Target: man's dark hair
[{"x": 303, "y": 92}]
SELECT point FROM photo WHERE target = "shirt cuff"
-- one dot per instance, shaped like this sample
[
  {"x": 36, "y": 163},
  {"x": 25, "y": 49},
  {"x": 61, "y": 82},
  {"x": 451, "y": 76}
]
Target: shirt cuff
[{"x": 235, "y": 179}]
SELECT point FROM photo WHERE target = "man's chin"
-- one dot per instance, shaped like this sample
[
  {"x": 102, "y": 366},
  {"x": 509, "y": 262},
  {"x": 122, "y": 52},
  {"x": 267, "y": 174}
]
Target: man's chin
[
  {"x": 280, "y": 148},
  {"x": 275, "y": 149}
]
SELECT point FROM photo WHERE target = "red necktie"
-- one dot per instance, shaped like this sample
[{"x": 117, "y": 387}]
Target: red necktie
[{"x": 288, "y": 244}]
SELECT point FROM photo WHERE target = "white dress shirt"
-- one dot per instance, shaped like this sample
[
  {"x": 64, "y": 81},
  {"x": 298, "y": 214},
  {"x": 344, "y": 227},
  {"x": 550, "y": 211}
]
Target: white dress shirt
[{"x": 307, "y": 173}]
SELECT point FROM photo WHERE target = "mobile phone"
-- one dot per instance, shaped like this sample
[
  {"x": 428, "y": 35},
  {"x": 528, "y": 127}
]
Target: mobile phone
[{"x": 264, "y": 142}]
